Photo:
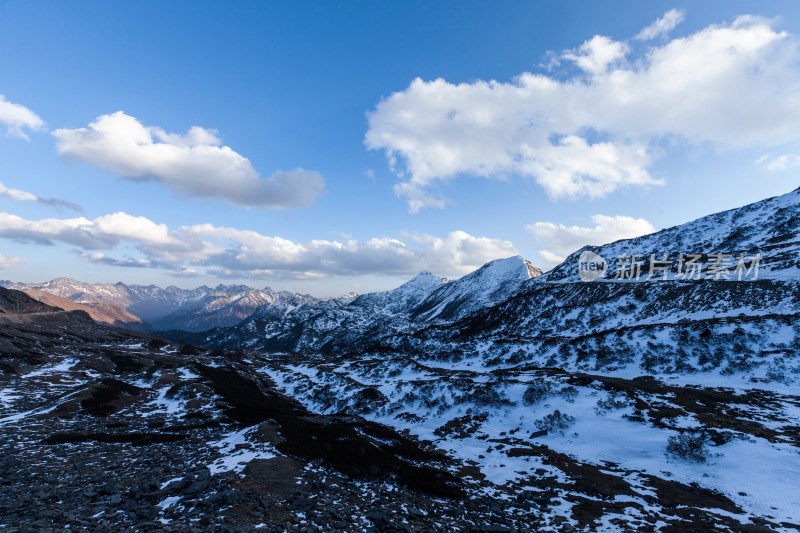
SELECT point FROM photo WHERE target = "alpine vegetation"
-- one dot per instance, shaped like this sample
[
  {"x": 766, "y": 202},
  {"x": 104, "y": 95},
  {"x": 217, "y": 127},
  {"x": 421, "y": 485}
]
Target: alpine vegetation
[
  {"x": 507, "y": 398},
  {"x": 400, "y": 266}
]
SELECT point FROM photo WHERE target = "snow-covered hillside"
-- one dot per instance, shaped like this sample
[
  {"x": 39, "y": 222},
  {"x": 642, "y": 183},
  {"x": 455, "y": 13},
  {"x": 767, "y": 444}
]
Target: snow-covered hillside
[
  {"x": 490, "y": 284},
  {"x": 769, "y": 229},
  {"x": 533, "y": 401},
  {"x": 660, "y": 403}
]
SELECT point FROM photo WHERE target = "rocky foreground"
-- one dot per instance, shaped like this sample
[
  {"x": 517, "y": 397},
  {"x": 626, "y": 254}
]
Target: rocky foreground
[{"x": 106, "y": 429}]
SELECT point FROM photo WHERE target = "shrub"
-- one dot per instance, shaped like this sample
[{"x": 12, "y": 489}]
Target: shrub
[
  {"x": 613, "y": 401},
  {"x": 537, "y": 391},
  {"x": 689, "y": 446},
  {"x": 555, "y": 422},
  {"x": 484, "y": 395},
  {"x": 778, "y": 372},
  {"x": 569, "y": 393}
]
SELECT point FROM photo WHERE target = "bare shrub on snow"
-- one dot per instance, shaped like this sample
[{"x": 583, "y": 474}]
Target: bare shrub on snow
[
  {"x": 555, "y": 422},
  {"x": 689, "y": 446}
]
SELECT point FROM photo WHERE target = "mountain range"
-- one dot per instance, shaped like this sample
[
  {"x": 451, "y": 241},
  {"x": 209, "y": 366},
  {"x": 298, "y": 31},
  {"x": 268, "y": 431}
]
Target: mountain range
[
  {"x": 530, "y": 376},
  {"x": 504, "y": 400},
  {"x": 151, "y": 308}
]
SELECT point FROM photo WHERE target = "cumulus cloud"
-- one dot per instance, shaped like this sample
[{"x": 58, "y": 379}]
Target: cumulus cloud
[
  {"x": 557, "y": 241},
  {"x": 231, "y": 252},
  {"x": 9, "y": 261},
  {"x": 194, "y": 163},
  {"x": 591, "y": 132},
  {"x": 597, "y": 54},
  {"x": 25, "y": 196},
  {"x": 778, "y": 163},
  {"x": 18, "y": 119},
  {"x": 459, "y": 252},
  {"x": 662, "y": 26},
  {"x": 101, "y": 233}
]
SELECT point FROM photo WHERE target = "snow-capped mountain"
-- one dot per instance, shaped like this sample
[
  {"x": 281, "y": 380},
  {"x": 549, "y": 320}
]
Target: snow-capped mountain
[
  {"x": 489, "y": 285},
  {"x": 662, "y": 324},
  {"x": 155, "y": 308},
  {"x": 517, "y": 400},
  {"x": 227, "y": 306},
  {"x": 769, "y": 229},
  {"x": 328, "y": 321},
  {"x": 345, "y": 324},
  {"x": 399, "y": 301},
  {"x": 509, "y": 297},
  {"x": 149, "y": 303},
  {"x": 631, "y": 400}
]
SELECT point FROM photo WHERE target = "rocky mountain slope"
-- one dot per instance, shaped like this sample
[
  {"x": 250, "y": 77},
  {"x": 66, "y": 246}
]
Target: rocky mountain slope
[
  {"x": 344, "y": 324},
  {"x": 202, "y": 440},
  {"x": 502, "y": 401},
  {"x": 100, "y": 312},
  {"x": 489, "y": 285},
  {"x": 150, "y": 308},
  {"x": 621, "y": 399},
  {"x": 195, "y": 441},
  {"x": 769, "y": 229}
]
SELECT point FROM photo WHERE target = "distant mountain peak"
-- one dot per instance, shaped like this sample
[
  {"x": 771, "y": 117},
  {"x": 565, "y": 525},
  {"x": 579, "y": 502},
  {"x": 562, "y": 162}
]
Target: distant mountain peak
[
  {"x": 509, "y": 268},
  {"x": 349, "y": 295},
  {"x": 424, "y": 279}
]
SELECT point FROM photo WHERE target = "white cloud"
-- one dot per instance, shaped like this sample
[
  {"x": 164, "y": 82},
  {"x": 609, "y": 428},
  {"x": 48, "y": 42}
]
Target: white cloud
[
  {"x": 232, "y": 252},
  {"x": 18, "y": 118},
  {"x": 459, "y": 252},
  {"x": 731, "y": 86},
  {"x": 25, "y": 196},
  {"x": 101, "y": 233},
  {"x": 597, "y": 54},
  {"x": 9, "y": 261},
  {"x": 16, "y": 194},
  {"x": 573, "y": 167},
  {"x": 778, "y": 163},
  {"x": 662, "y": 26},
  {"x": 195, "y": 163},
  {"x": 557, "y": 241}
]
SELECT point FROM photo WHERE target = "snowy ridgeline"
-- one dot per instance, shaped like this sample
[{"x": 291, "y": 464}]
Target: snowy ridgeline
[
  {"x": 156, "y": 308},
  {"x": 769, "y": 230}
]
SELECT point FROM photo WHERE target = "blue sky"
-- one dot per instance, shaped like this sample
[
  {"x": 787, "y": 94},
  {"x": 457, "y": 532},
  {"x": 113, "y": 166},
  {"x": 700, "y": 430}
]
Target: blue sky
[{"x": 317, "y": 164}]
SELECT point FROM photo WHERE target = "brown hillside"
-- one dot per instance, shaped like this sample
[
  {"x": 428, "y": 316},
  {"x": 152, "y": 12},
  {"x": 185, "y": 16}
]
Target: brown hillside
[{"x": 101, "y": 313}]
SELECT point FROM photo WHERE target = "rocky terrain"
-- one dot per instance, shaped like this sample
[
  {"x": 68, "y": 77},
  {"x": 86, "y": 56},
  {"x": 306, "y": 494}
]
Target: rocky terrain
[
  {"x": 665, "y": 379},
  {"x": 506, "y": 400},
  {"x": 101, "y": 313},
  {"x": 102, "y": 428}
]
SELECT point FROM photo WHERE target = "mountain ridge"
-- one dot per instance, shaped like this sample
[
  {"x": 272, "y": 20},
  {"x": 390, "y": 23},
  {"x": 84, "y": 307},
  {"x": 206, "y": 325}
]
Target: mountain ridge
[
  {"x": 342, "y": 323},
  {"x": 149, "y": 307},
  {"x": 733, "y": 231}
]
